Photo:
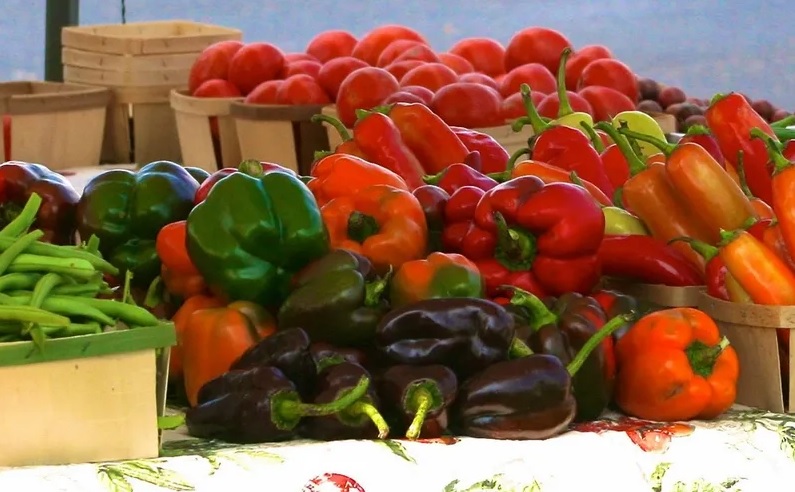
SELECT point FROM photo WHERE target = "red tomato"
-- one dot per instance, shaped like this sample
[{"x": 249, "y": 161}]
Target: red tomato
[
  {"x": 369, "y": 48},
  {"x": 217, "y": 88},
  {"x": 308, "y": 67},
  {"x": 294, "y": 57},
  {"x": 331, "y": 44},
  {"x": 419, "y": 52},
  {"x": 459, "y": 64},
  {"x": 404, "y": 97},
  {"x": 535, "y": 75},
  {"x": 536, "y": 45},
  {"x": 513, "y": 105},
  {"x": 606, "y": 102},
  {"x": 212, "y": 63},
  {"x": 609, "y": 72},
  {"x": 434, "y": 76},
  {"x": 399, "y": 69},
  {"x": 255, "y": 63},
  {"x": 468, "y": 105},
  {"x": 422, "y": 92},
  {"x": 301, "y": 89},
  {"x": 394, "y": 50},
  {"x": 580, "y": 59},
  {"x": 7, "y": 136},
  {"x": 265, "y": 93},
  {"x": 364, "y": 88},
  {"x": 485, "y": 54},
  {"x": 333, "y": 72},
  {"x": 550, "y": 105},
  {"x": 480, "y": 78}
]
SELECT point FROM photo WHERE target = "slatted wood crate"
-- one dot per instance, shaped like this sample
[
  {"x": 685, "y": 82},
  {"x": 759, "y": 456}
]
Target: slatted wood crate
[{"x": 141, "y": 62}]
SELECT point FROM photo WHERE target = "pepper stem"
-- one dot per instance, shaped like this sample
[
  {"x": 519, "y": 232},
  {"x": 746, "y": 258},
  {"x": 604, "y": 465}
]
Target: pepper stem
[
  {"x": 784, "y": 122},
  {"x": 433, "y": 179},
  {"x": 741, "y": 175},
  {"x": 368, "y": 409},
  {"x": 665, "y": 147},
  {"x": 702, "y": 357},
  {"x": 154, "y": 293},
  {"x": 423, "y": 401},
  {"x": 636, "y": 165},
  {"x": 126, "y": 291},
  {"x": 618, "y": 197},
  {"x": 374, "y": 291},
  {"x": 780, "y": 162},
  {"x": 575, "y": 179},
  {"x": 320, "y": 154},
  {"x": 541, "y": 314},
  {"x": 728, "y": 236},
  {"x": 334, "y": 122},
  {"x": 516, "y": 249},
  {"x": 251, "y": 167},
  {"x": 22, "y": 222},
  {"x": 519, "y": 349},
  {"x": 706, "y": 251},
  {"x": 596, "y": 141},
  {"x": 533, "y": 118},
  {"x": 503, "y": 176},
  {"x": 361, "y": 226},
  {"x": 717, "y": 98},
  {"x": 420, "y": 398},
  {"x": 287, "y": 410},
  {"x": 696, "y": 130},
  {"x": 564, "y": 105},
  {"x": 597, "y": 338}
]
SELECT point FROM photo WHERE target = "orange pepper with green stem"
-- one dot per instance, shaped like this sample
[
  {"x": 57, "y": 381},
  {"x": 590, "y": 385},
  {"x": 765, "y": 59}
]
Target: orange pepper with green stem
[
  {"x": 339, "y": 175},
  {"x": 674, "y": 365},
  {"x": 348, "y": 145},
  {"x": 382, "y": 223},
  {"x": 762, "y": 209},
  {"x": 440, "y": 275},
  {"x": 783, "y": 188}
]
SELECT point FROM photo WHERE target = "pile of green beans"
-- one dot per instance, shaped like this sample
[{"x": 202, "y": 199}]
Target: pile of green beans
[{"x": 49, "y": 290}]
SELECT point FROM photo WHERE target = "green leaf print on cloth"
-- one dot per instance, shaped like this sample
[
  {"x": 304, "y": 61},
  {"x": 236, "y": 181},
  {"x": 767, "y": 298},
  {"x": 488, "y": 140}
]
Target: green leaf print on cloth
[
  {"x": 495, "y": 483},
  {"x": 657, "y": 482},
  {"x": 116, "y": 476},
  {"x": 216, "y": 452},
  {"x": 781, "y": 424},
  {"x": 398, "y": 449}
]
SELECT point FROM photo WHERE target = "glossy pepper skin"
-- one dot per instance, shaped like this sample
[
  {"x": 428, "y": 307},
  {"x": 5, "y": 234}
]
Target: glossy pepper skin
[
  {"x": 380, "y": 139},
  {"x": 57, "y": 214},
  {"x": 181, "y": 320},
  {"x": 256, "y": 415},
  {"x": 252, "y": 234},
  {"x": 648, "y": 260},
  {"x": 179, "y": 274},
  {"x": 433, "y": 201},
  {"x": 719, "y": 282},
  {"x": 553, "y": 174},
  {"x": 463, "y": 334},
  {"x": 337, "y": 299},
  {"x": 249, "y": 166},
  {"x": 674, "y": 365},
  {"x": 549, "y": 231},
  {"x": 325, "y": 354},
  {"x": 287, "y": 350},
  {"x": 763, "y": 210},
  {"x": 439, "y": 275},
  {"x": 360, "y": 420},
  {"x": 340, "y": 175},
  {"x": 382, "y": 223},
  {"x": 783, "y": 189},
  {"x": 126, "y": 210},
  {"x": 459, "y": 175},
  {"x": 731, "y": 118},
  {"x": 493, "y": 156},
  {"x": 701, "y": 135},
  {"x": 420, "y": 397}
]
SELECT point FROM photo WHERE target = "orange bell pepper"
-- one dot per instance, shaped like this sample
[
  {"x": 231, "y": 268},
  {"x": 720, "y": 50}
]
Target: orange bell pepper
[
  {"x": 180, "y": 276},
  {"x": 674, "y": 365},
  {"x": 180, "y": 320},
  {"x": 339, "y": 175},
  {"x": 762, "y": 209},
  {"x": 382, "y": 223},
  {"x": 552, "y": 174},
  {"x": 215, "y": 338},
  {"x": 439, "y": 275}
]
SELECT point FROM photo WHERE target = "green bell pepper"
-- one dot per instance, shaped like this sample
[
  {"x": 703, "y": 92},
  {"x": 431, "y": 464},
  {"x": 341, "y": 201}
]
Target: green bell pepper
[
  {"x": 440, "y": 275},
  {"x": 253, "y": 233},
  {"x": 127, "y": 209},
  {"x": 337, "y": 299}
]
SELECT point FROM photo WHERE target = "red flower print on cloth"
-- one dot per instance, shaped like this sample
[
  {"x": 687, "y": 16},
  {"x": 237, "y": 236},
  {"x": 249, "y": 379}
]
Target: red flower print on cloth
[
  {"x": 332, "y": 482},
  {"x": 648, "y": 435}
]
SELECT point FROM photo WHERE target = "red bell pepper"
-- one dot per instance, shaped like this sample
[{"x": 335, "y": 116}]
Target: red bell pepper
[
  {"x": 251, "y": 167},
  {"x": 648, "y": 260},
  {"x": 542, "y": 236},
  {"x": 459, "y": 212},
  {"x": 460, "y": 175},
  {"x": 493, "y": 156}
]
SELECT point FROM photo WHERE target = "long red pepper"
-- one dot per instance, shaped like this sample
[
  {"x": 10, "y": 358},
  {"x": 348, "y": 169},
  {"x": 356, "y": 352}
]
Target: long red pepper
[{"x": 380, "y": 139}]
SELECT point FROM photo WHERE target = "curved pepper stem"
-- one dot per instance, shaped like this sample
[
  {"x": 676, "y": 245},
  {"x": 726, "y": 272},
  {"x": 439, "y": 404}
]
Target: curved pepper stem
[
  {"x": 717, "y": 98},
  {"x": 597, "y": 338},
  {"x": 374, "y": 291},
  {"x": 780, "y": 162},
  {"x": 564, "y": 105},
  {"x": 741, "y": 175},
  {"x": 702, "y": 357},
  {"x": 697, "y": 130},
  {"x": 597, "y": 142},
  {"x": 533, "y": 118},
  {"x": 369, "y": 410},
  {"x": 361, "y": 226},
  {"x": 516, "y": 249},
  {"x": 665, "y": 147},
  {"x": 251, "y": 167},
  {"x": 784, "y": 122},
  {"x": 541, "y": 314},
  {"x": 433, "y": 179},
  {"x": 519, "y": 349},
  {"x": 421, "y": 398},
  {"x": 504, "y": 176},
  {"x": 334, "y": 122},
  {"x": 287, "y": 410},
  {"x": 706, "y": 251},
  {"x": 636, "y": 165},
  {"x": 727, "y": 236}
]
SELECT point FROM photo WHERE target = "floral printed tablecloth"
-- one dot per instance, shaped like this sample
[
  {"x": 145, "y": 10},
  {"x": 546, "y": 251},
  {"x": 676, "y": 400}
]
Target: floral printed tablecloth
[{"x": 746, "y": 450}]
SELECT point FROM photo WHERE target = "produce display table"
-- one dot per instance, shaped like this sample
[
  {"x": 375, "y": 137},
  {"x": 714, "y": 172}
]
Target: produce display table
[{"x": 746, "y": 450}]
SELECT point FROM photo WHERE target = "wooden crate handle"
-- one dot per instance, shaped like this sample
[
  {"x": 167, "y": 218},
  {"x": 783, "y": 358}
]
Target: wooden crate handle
[
  {"x": 272, "y": 112},
  {"x": 203, "y": 106}
]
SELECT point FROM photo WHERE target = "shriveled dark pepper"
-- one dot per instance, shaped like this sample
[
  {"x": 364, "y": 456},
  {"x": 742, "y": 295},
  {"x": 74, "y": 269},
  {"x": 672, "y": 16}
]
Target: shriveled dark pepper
[
  {"x": 263, "y": 415},
  {"x": 287, "y": 350},
  {"x": 360, "y": 420},
  {"x": 433, "y": 200},
  {"x": 526, "y": 398},
  {"x": 420, "y": 396},
  {"x": 464, "y": 334},
  {"x": 337, "y": 299},
  {"x": 325, "y": 355},
  {"x": 614, "y": 303}
]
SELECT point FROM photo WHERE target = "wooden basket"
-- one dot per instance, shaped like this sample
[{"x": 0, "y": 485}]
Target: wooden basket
[
  {"x": 55, "y": 124},
  {"x": 141, "y": 62},
  {"x": 660, "y": 296},
  {"x": 751, "y": 330},
  {"x": 266, "y": 132},
  {"x": 201, "y": 146},
  {"x": 84, "y": 399}
]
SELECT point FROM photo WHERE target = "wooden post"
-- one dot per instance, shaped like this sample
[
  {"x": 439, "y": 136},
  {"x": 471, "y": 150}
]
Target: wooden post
[{"x": 60, "y": 13}]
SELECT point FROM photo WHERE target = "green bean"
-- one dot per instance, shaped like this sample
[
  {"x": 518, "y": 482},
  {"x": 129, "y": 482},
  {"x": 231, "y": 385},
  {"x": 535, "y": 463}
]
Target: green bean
[
  {"x": 31, "y": 315},
  {"x": 91, "y": 289},
  {"x": 43, "y": 288},
  {"x": 12, "y": 253},
  {"x": 24, "y": 220},
  {"x": 73, "y": 267},
  {"x": 10, "y": 337},
  {"x": 92, "y": 245},
  {"x": 131, "y": 315},
  {"x": 10, "y": 327},
  {"x": 73, "y": 330},
  {"x": 18, "y": 281},
  {"x": 56, "y": 251},
  {"x": 59, "y": 305}
]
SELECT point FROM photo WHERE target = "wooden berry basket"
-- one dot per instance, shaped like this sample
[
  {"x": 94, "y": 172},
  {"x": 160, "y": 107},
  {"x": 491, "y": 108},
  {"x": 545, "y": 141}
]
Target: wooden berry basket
[
  {"x": 200, "y": 145},
  {"x": 660, "y": 296},
  {"x": 280, "y": 134},
  {"x": 751, "y": 330},
  {"x": 141, "y": 63},
  {"x": 86, "y": 398},
  {"x": 55, "y": 124}
]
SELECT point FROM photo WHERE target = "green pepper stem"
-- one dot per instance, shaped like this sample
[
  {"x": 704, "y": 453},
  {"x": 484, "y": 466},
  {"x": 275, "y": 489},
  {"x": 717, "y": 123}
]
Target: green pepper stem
[
  {"x": 433, "y": 179},
  {"x": 287, "y": 411},
  {"x": 596, "y": 339},
  {"x": 784, "y": 122},
  {"x": 665, "y": 147},
  {"x": 780, "y": 162},
  {"x": 503, "y": 176},
  {"x": 369, "y": 410},
  {"x": 636, "y": 165},
  {"x": 717, "y": 98},
  {"x": 334, "y": 122},
  {"x": 706, "y": 251},
  {"x": 783, "y": 134},
  {"x": 126, "y": 294},
  {"x": 697, "y": 130},
  {"x": 361, "y": 226},
  {"x": 154, "y": 293},
  {"x": 533, "y": 118},
  {"x": 541, "y": 314},
  {"x": 741, "y": 175},
  {"x": 423, "y": 401},
  {"x": 727, "y": 237},
  {"x": 8, "y": 256},
  {"x": 25, "y": 219},
  {"x": 519, "y": 349},
  {"x": 374, "y": 291},
  {"x": 516, "y": 249},
  {"x": 564, "y": 105},
  {"x": 702, "y": 357},
  {"x": 251, "y": 167},
  {"x": 321, "y": 154},
  {"x": 575, "y": 179},
  {"x": 596, "y": 141},
  {"x": 618, "y": 197}
]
